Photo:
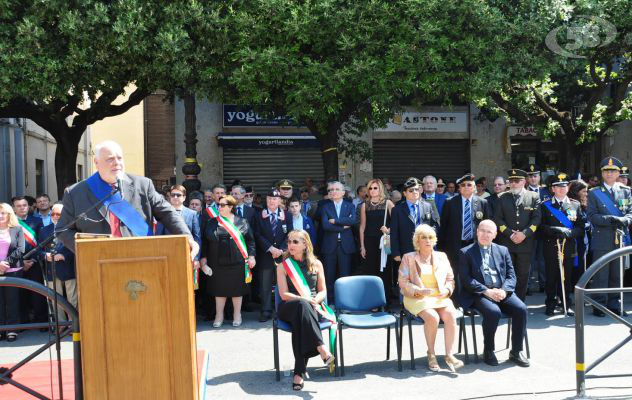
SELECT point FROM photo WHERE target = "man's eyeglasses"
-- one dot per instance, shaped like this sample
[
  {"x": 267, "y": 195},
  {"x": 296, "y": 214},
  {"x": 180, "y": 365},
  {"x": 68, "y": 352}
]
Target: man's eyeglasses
[
  {"x": 177, "y": 195},
  {"x": 54, "y": 214},
  {"x": 412, "y": 190},
  {"x": 249, "y": 195}
]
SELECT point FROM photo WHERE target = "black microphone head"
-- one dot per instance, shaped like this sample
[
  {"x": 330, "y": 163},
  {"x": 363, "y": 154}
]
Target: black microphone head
[{"x": 119, "y": 184}]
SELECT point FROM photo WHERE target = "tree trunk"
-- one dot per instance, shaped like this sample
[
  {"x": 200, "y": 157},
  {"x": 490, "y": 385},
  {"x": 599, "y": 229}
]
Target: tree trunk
[
  {"x": 569, "y": 153},
  {"x": 191, "y": 168},
  {"x": 65, "y": 161},
  {"x": 329, "y": 149}
]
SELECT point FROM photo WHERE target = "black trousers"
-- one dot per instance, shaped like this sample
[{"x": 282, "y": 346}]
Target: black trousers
[
  {"x": 492, "y": 311},
  {"x": 31, "y": 302},
  {"x": 371, "y": 264},
  {"x": 553, "y": 286},
  {"x": 10, "y": 302},
  {"x": 607, "y": 277},
  {"x": 521, "y": 263},
  {"x": 306, "y": 335}
]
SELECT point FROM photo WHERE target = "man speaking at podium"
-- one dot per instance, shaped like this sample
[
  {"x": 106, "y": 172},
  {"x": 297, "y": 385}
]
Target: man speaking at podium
[{"x": 128, "y": 212}]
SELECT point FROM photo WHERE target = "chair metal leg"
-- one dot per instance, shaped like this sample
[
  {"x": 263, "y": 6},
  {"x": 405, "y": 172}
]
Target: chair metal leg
[
  {"x": 410, "y": 339},
  {"x": 508, "y": 333},
  {"x": 336, "y": 367},
  {"x": 342, "y": 352},
  {"x": 463, "y": 332},
  {"x": 275, "y": 339},
  {"x": 398, "y": 339},
  {"x": 460, "y": 337},
  {"x": 388, "y": 342},
  {"x": 474, "y": 338}
]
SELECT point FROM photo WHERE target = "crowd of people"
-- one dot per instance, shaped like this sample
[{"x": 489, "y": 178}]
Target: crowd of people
[{"x": 437, "y": 245}]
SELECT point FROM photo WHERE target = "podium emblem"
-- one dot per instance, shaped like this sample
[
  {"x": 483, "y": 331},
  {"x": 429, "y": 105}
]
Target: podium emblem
[{"x": 134, "y": 287}]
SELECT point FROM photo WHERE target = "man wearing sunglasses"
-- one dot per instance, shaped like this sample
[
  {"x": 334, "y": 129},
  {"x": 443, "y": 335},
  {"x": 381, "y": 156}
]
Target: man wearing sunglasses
[
  {"x": 518, "y": 216},
  {"x": 460, "y": 218},
  {"x": 408, "y": 215}
]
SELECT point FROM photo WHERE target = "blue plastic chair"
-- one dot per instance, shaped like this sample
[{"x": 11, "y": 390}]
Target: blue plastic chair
[
  {"x": 356, "y": 298},
  {"x": 405, "y": 314},
  {"x": 278, "y": 324}
]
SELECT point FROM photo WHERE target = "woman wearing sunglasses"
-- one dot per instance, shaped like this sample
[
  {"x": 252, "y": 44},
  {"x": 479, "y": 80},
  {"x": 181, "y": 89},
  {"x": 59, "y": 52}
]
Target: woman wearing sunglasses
[
  {"x": 302, "y": 288},
  {"x": 427, "y": 282},
  {"x": 375, "y": 219},
  {"x": 228, "y": 246}
]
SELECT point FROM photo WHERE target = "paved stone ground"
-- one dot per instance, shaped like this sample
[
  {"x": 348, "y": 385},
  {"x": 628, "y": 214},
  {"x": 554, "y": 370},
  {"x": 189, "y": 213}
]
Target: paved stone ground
[{"x": 242, "y": 363}]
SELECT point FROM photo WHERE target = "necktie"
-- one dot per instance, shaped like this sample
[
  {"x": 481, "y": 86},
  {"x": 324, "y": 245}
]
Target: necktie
[
  {"x": 416, "y": 214},
  {"x": 305, "y": 205},
  {"x": 467, "y": 221},
  {"x": 115, "y": 222},
  {"x": 273, "y": 221},
  {"x": 239, "y": 211}
]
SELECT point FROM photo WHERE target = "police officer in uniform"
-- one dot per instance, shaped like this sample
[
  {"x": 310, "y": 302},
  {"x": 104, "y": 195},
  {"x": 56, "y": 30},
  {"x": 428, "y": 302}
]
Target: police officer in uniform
[
  {"x": 286, "y": 188},
  {"x": 609, "y": 210},
  {"x": 518, "y": 216},
  {"x": 562, "y": 223},
  {"x": 624, "y": 177}
]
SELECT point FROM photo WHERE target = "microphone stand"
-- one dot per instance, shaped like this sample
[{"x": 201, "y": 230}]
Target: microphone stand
[{"x": 40, "y": 247}]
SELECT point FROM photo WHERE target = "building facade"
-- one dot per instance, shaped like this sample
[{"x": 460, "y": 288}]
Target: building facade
[
  {"x": 27, "y": 167},
  {"x": 236, "y": 143}
]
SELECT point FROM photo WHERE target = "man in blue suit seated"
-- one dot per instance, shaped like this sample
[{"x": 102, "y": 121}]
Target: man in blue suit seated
[
  {"x": 65, "y": 275},
  {"x": 489, "y": 280},
  {"x": 338, "y": 244},
  {"x": 301, "y": 220}
]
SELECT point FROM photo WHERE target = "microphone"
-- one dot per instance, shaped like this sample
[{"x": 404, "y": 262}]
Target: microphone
[{"x": 119, "y": 184}]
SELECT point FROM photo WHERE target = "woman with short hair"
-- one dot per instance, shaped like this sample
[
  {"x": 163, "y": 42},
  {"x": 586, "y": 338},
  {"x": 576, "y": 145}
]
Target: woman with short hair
[
  {"x": 11, "y": 250},
  {"x": 427, "y": 282}
]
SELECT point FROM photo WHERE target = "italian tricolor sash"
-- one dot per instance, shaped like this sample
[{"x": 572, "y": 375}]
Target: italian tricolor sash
[
  {"x": 300, "y": 284},
  {"x": 239, "y": 241},
  {"x": 212, "y": 211},
  {"x": 29, "y": 234}
]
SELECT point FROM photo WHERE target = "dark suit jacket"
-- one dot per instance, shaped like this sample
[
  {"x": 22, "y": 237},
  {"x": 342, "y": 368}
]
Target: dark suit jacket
[
  {"x": 65, "y": 269},
  {"x": 403, "y": 226},
  {"x": 266, "y": 237},
  {"x": 249, "y": 215},
  {"x": 471, "y": 272},
  {"x": 17, "y": 246},
  {"x": 330, "y": 231},
  {"x": 192, "y": 219},
  {"x": 138, "y": 191},
  {"x": 524, "y": 215},
  {"x": 219, "y": 248},
  {"x": 452, "y": 222}
]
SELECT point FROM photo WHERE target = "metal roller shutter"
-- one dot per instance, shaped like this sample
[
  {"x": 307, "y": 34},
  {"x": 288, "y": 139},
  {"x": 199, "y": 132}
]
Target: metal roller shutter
[
  {"x": 399, "y": 159},
  {"x": 261, "y": 168}
]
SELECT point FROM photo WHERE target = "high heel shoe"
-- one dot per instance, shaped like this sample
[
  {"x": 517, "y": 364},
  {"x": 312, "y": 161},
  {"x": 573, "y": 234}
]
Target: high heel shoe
[
  {"x": 236, "y": 322},
  {"x": 217, "y": 324},
  {"x": 433, "y": 365},
  {"x": 453, "y": 363},
  {"x": 298, "y": 386}
]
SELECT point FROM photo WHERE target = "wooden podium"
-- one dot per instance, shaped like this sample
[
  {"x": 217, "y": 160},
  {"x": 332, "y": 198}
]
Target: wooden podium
[{"x": 137, "y": 318}]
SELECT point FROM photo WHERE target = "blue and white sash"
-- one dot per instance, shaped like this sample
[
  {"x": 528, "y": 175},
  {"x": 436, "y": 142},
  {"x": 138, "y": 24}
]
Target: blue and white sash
[
  {"x": 563, "y": 219},
  {"x": 123, "y": 210},
  {"x": 613, "y": 210}
]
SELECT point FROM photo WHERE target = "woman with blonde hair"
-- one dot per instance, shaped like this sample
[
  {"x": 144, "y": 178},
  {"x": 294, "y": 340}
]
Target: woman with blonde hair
[
  {"x": 301, "y": 286},
  {"x": 427, "y": 282},
  {"x": 375, "y": 219},
  {"x": 11, "y": 250}
]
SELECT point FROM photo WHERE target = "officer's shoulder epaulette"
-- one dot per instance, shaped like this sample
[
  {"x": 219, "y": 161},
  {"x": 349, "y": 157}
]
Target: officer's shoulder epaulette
[{"x": 625, "y": 187}]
